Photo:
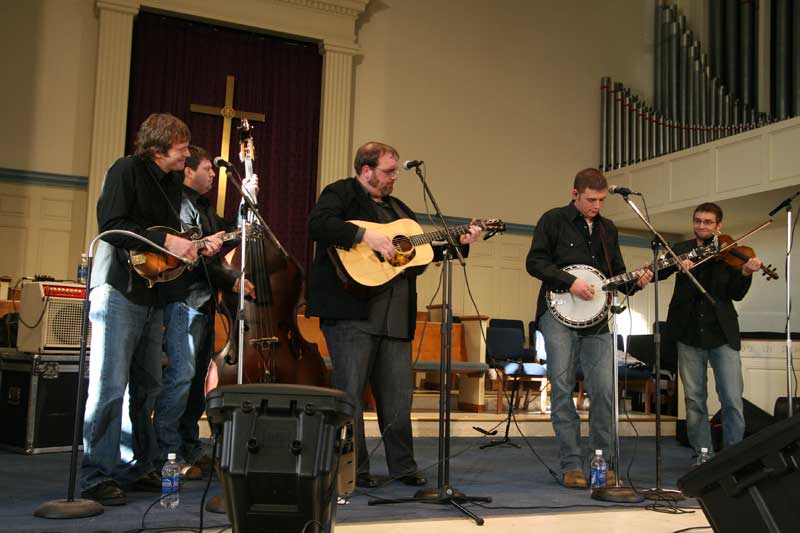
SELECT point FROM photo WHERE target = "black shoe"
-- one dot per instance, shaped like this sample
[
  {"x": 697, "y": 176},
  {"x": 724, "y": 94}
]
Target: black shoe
[
  {"x": 367, "y": 481},
  {"x": 107, "y": 493},
  {"x": 415, "y": 480},
  {"x": 150, "y": 482}
]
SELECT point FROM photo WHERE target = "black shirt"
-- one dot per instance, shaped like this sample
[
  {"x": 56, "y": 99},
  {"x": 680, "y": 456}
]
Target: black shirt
[
  {"x": 195, "y": 286},
  {"x": 562, "y": 237},
  {"x": 136, "y": 195}
]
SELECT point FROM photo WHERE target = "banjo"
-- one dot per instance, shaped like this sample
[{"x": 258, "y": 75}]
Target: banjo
[{"x": 578, "y": 313}]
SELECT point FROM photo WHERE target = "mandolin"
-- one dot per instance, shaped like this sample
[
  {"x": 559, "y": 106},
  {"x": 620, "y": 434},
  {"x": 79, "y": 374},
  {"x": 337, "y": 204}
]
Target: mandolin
[
  {"x": 364, "y": 266},
  {"x": 158, "y": 267}
]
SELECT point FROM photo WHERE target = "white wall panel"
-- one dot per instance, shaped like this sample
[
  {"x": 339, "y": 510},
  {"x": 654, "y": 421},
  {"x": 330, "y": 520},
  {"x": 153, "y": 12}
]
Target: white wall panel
[
  {"x": 740, "y": 165},
  {"x": 784, "y": 155}
]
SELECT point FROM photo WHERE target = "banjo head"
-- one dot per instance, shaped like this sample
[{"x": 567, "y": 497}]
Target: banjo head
[{"x": 575, "y": 312}]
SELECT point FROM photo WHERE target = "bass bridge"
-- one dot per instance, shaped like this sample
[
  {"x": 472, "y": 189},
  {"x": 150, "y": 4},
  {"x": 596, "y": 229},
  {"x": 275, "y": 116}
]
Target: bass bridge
[{"x": 264, "y": 343}]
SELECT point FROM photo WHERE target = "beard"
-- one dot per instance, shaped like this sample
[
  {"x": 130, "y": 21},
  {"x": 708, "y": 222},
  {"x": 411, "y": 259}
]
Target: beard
[{"x": 385, "y": 190}]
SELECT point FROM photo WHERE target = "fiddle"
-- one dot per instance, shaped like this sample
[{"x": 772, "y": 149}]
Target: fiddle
[{"x": 737, "y": 255}]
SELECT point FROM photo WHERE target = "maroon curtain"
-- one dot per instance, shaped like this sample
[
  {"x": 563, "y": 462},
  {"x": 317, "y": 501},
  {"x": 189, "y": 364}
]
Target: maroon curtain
[{"x": 177, "y": 62}]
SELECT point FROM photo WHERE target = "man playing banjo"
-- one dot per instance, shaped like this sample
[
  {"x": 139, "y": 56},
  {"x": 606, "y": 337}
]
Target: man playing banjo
[{"x": 577, "y": 235}]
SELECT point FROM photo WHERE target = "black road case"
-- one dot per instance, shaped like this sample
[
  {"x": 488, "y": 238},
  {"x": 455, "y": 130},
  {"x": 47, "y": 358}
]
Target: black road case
[{"x": 37, "y": 400}]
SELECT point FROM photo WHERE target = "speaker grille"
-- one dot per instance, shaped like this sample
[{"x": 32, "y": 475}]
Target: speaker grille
[{"x": 64, "y": 323}]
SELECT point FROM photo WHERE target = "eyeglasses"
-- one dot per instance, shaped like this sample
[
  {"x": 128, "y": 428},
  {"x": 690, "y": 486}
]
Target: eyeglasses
[
  {"x": 704, "y": 222},
  {"x": 391, "y": 173}
]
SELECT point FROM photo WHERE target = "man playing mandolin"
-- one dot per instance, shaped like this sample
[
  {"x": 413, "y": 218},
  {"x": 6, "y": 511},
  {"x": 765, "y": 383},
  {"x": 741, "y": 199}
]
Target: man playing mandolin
[
  {"x": 369, "y": 330},
  {"x": 708, "y": 333},
  {"x": 139, "y": 191},
  {"x": 578, "y": 235}
]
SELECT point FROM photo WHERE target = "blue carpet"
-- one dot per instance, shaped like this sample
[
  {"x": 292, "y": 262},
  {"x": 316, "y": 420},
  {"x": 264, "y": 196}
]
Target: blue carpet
[{"x": 515, "y": 479}]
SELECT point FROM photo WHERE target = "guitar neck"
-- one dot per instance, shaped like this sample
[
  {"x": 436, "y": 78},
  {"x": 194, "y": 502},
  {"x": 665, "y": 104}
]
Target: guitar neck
[
  {"x": 200, "y": 244},
  {"x": 441, "y": 235},
  {"x": 661, "y": 264}
]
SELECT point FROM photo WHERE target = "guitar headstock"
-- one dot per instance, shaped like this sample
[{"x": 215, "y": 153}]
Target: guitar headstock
[{"x": 493, "y": 225}]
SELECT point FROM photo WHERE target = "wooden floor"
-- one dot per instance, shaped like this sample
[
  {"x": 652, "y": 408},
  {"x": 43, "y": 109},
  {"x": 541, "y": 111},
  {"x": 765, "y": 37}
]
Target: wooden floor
[
  {"x": 622, "y": 521},
  {"x": 425, "y": 421}
]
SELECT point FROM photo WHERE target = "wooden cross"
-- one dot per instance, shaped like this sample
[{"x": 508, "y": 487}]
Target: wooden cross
[{"x": 228, "y": 113}]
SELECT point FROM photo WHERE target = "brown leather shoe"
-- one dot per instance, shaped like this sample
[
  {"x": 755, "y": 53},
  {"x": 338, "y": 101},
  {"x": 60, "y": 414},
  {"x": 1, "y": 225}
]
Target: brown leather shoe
[
  {"x": 574, "y": 479},
  {"x": 611, "y": 479},
  {"x": 216, "y": 504},
  {"x": 191, "y": 472}
]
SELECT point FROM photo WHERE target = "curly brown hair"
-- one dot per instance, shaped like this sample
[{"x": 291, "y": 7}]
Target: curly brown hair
[{"x": 158, "y": 133}]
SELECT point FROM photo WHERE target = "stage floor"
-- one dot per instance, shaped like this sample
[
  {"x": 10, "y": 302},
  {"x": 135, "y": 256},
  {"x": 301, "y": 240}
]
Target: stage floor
[{"x": 525, "y": 496}]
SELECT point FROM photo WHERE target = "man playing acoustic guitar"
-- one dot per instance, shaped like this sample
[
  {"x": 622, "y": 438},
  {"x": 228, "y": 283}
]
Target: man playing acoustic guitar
[{"x": 369, "y": 330}]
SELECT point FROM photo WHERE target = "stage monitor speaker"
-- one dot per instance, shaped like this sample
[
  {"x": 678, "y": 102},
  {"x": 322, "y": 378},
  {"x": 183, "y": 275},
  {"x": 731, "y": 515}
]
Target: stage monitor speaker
[
  {"x": 752, "y": 486},
  {"x": 781, "y": 409},
  {"x": 279, "y": 450},
  {"x": 755, "y": 419}
]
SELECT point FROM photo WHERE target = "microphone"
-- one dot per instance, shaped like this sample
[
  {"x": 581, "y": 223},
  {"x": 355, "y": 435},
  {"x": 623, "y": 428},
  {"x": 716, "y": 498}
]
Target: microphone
[
  {"x": 408, "y": 165},
  {"x": 624, "y": 191},
  {"x": 221, "y": 163}
]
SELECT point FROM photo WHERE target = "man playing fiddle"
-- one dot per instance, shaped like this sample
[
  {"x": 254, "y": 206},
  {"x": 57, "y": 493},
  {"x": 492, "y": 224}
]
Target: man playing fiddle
[{"x": 709, "y": 333}]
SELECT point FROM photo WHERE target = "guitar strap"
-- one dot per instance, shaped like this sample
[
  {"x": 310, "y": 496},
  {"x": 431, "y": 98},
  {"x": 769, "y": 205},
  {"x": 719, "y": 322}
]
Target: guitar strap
[
  {"x": 166, "y": 198},
  {"x": 601, "y": 230}
]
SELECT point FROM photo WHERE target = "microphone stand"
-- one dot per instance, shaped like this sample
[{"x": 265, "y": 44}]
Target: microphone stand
[
  {"x": 73, "y": 507},
  {"x": 617, "y": 493},
  {"x": 658, "y": 493},
  {"x": 787, "y": 203},
  {"x": 444, "y": 493}
]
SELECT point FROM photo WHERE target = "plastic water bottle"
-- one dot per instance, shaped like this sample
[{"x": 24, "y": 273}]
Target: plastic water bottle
[
  {"x": 703, "y": 456},
  {"x": 83, "y": 270},
  {"x": 598, "y": 470},
  {"x": 170, "y": 483}
]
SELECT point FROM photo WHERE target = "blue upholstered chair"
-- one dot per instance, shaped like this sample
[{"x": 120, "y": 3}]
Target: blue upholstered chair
[{"x": 505, "y": 352}]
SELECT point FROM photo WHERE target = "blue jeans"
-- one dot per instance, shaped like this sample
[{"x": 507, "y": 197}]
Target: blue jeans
[
  {"x": 385, "y": 363},
  {"x": 565, "y": 347},
  {"x": 187, "y": 338},
  {"x": 125, "y": 352},
  {"x": 693, "y": 368}
]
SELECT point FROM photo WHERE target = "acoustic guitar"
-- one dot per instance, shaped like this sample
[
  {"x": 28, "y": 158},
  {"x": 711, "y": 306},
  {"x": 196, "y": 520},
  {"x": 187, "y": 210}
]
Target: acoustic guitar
[
  {"x": 367, "y": 267},
  {"x": 158, "y": 267}
]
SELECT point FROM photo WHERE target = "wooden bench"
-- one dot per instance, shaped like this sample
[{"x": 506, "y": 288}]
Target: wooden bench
[{"x": 468, "y": 354}]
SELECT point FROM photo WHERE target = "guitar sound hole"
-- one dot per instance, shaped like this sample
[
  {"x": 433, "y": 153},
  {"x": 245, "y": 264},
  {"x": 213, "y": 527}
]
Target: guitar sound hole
[{"x": 402, "y": 244}]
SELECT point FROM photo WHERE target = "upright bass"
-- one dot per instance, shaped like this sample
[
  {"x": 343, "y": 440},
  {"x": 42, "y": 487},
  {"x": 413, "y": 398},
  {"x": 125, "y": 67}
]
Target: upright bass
[{"x": 273, "y": 349}]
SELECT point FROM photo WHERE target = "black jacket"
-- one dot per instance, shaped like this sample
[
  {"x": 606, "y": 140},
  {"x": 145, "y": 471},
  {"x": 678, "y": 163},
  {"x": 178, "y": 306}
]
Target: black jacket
[
  {"x": 327, "y": 296},
  {"x": 136, "y": 195},
  {"x": 723, "y": 282}
]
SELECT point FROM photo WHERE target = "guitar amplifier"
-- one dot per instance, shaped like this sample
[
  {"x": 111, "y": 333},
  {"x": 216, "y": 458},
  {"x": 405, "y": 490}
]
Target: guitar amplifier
[{"x": 52, "y": 313}]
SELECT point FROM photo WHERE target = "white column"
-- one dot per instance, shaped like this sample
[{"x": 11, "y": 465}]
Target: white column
[
  {"x": 110, "y": 96},
  {"x": 335, "y": 157}
]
